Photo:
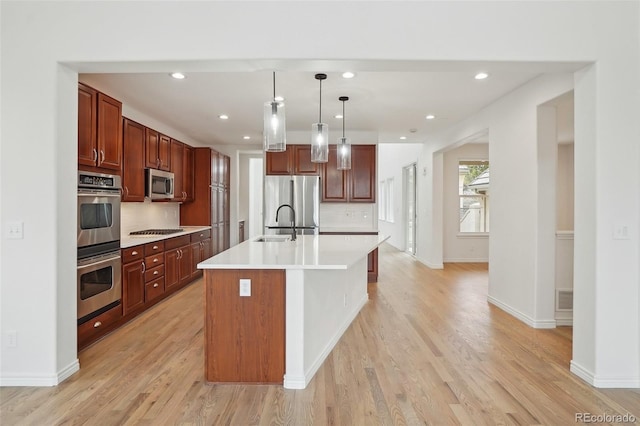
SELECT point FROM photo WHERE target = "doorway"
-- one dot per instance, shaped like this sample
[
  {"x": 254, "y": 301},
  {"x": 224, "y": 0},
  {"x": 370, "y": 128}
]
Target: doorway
[{"x": 409, "y": 178}]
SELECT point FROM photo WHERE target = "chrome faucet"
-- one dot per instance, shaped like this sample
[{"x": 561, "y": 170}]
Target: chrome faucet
[{"x": 293, "y": 222}]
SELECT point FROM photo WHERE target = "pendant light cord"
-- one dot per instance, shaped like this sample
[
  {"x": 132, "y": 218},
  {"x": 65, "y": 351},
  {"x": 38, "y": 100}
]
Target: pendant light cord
[
  {"x": 274, "y": 86},
  {"x": 320, "y": 112},
  {"x": 343, "y": 120}
]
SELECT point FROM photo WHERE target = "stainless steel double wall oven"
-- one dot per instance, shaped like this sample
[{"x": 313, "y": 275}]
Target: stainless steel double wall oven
[{"x": 99, "y": 263}]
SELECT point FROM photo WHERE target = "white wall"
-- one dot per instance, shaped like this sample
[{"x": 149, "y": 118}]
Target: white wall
[
  {"x": 396, "y": 156},
  {"x": 39, "y": 107},
  {"x": 564, "y": 188},
  {"x": 457, "y": 247}
]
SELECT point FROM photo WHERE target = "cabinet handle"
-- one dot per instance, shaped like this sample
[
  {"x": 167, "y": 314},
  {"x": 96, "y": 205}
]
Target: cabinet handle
[
  {"x": 155, "y": 247},
  {"x": 102, "y": 155},
  {"x": 134, "y": 253},
  {"x": 95, "y": 154},
  {"x": 155, "y": 272},
  {"x": 158, "y": 162},
  {"x": 156, "y": 285},
  {"x": 155, "y": 260},
  {"x": 97, "y": 324},
  {"x": 126, "y": 188},
  {"x": 144, "y": 267}
]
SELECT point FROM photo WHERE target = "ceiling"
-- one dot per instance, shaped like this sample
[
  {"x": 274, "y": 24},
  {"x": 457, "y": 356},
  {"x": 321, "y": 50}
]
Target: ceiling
[{"x": 383, "y": 106}]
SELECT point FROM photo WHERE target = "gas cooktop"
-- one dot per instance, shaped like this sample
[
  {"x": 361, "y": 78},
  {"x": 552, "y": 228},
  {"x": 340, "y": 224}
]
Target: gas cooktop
[{"x": 157, "y": 231}]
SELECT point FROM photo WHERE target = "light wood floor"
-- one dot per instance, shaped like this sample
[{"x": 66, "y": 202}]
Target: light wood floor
[{"x": 426, "y": 349}]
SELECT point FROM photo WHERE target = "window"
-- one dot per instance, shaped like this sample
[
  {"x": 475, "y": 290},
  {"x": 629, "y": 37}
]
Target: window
[
  {"x": 473, "y": 191},
  {"x": 385, "y": 200}
]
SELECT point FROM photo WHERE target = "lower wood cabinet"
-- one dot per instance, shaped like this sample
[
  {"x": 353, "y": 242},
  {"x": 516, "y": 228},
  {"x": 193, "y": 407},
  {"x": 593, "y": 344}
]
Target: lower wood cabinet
[
  {"x": 97, "y": 327},
  {"x": 177, "y": 262}
]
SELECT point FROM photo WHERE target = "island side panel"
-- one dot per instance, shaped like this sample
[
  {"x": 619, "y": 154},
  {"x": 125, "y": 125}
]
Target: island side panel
[{"x": 244, "y": 335}]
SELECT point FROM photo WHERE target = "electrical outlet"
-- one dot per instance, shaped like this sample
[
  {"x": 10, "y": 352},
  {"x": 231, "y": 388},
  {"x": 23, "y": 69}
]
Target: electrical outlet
[
  {"x": 12, "y": 339},
  {"x": 245, "y": 287}
]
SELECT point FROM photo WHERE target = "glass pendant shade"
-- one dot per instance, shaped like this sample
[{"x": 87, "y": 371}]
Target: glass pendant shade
[
  {"x": 344, "y": 154},
  {"x": 274, "y": 131},
  {"x": 319, "y": 143},
  {"x": 275, "y": 139}
]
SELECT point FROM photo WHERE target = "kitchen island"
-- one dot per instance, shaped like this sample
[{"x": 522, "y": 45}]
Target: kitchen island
[{"x": 275, "y": 309}]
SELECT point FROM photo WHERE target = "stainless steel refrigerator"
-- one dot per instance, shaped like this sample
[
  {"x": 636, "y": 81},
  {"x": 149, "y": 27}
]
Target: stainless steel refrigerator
[{"x": 300, "y": 192}]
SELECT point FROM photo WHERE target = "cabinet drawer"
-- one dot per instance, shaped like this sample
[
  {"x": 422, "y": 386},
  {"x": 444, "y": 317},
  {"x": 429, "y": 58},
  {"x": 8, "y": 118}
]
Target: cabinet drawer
[
  {"x": 154, "y": 260},
  {"x": 98, "y": 325},
  {"x": 132, "y": 254},
  {"x": 174, "y": 243},
  {"x": 199, "y": 236},
  {"x": 154, "y": 289},
  {"x": 153, "y": 273},
  {"x": 154, "y": 248}
]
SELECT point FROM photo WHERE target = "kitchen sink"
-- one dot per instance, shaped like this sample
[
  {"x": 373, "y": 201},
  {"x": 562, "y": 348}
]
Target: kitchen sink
[{"x": 273, "y": 239}]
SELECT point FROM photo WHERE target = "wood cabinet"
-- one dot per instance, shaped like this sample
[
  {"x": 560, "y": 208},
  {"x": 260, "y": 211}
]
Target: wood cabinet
[
  {"x": 133, "y": 270},
  {"x": 99, "y": 131},
  {"x": 182, "y": 168},
  {"x": 259, "y": 356},
  {"x": 97, "y": 327},
  {"x": 200, "y": 250},
  {"x": 158, "y": 150},
  {"x": 357, "y": 185},
  {"x": 177, "y": 258},
  {"x": 296, "y": 160},
  {"x": 133, "y": 141},
  {"x": 211, "y": 201}
]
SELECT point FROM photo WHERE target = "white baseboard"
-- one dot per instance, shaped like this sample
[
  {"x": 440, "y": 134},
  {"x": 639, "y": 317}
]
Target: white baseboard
[
  {"x": 32, "y": 380},
  {"x": 604, "y": 382},
  {"x": 299, "y": 382},
  {"x": 549, "y": 323},
  {"x": 466, "y": 260},
  {"x": 434, "y": 265}
]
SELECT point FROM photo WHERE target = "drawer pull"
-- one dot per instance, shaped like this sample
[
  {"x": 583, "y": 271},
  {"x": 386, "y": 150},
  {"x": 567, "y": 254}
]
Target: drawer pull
[
  {"x": 156, "y": 285},
  {"x": 133, "y": 253},
  {"x": 155, "y": 247},
  {"x": 156, "y": 260},
  {"x": 97, "y": 324},
  {"x": 155, "y": 272}
]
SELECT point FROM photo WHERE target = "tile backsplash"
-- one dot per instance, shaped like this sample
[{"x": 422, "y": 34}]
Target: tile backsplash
[
  {"x": 344, "y": 215},
  {"x": 148, "y": 215}
]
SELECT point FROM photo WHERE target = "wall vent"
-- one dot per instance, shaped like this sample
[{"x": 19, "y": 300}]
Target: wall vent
[{"x": 564, "y": 300}]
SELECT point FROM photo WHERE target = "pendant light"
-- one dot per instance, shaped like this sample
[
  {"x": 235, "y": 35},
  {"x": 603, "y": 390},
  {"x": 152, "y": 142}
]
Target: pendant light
[
  {"x": 320, "y": 133},
  {"x": 344, "y": 147},
  {"x": 274, "y": 136}
]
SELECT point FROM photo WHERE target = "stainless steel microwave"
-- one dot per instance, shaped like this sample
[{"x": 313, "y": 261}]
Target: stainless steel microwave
[{"x": 159, "y": 184}]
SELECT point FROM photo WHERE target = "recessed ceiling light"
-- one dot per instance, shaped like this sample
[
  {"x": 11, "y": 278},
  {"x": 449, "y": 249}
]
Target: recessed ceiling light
[
  {"x": 430, "y": 117},
  {"x": 246, "y": 137},
  {"x": 338, "y": 116},
  {"x": 177, "y": 75},
  {"x": 278, "y": 99},
  {"x": 403, "y": 137},
  {"x": 481, "y": 76},
  {"x": 348, "y": 74},
  {"x": 223, "y": 117}
]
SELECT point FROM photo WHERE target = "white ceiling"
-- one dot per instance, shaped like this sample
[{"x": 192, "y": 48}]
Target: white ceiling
[{"x": 383, "y": 106}]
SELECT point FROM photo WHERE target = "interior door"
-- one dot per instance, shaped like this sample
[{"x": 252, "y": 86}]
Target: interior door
[{"x": 409, "y": 173}]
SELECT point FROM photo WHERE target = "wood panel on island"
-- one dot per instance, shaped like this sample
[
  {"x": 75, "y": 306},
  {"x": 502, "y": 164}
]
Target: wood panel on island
[{"x": 99, "y": 131}]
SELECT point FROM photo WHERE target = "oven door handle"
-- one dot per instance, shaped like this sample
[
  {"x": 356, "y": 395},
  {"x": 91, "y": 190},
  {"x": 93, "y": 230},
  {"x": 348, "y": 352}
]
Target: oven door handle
[
  {"x": 104, "y": 193},
  {"x": 98, "y": 262}
]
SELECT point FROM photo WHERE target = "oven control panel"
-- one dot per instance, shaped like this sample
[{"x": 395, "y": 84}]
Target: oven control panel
[{"x": 98, "y": 180}]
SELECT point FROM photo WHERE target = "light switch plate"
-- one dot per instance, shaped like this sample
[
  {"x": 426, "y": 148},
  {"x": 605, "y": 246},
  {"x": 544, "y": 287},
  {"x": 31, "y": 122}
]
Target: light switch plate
[
  {"x": 15, "y": 230},
  {"x": 245, "y": 287}
]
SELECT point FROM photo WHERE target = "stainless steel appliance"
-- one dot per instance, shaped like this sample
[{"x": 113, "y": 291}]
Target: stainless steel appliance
[
  {"x": 300, "y": 192},
  {"x": 159, "y": 184},
  {"x": 99, "y": 264}
]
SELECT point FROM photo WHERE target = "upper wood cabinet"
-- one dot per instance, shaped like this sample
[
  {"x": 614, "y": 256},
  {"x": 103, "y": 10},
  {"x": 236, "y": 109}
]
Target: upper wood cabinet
[
  {"x": 296, "y": 160},
  {"x": 187, "y": 173},
  {"x": 133, "y": 142},
  {"x": 99, "y": 130},
  {"x": 357, "y": 185},
  {"x": 158, "y": 149},
  {"x": 182, "y": 168}
]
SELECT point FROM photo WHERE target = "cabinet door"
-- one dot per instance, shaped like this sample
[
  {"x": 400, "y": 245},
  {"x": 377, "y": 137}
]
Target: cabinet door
[
  {"x": 164, "y": 153},
  {"x": 206, "y": 249},
  {"x": 214, "y": 240},
  {"x": 372, "y": 266},
  {"x": 215, "y": 175},
  {"x": 177, "y": 160},
  {"x": 151, "y": 159},
  {"x": 302, "y": 164},
  {"x": 109, "y": 132},
  {"x": 133, "y": 161},
  {"x": 171, "y": 269},
  {"x": 362, "y": 180},
  {"x": 278, "y": 163},
  {"x": 187, "y": 172},
  {"x": 132, "y": 287},
  {"x": 87, "y": 119},
  {"x": 196, "y": 257},
  {"x": 185, "y": 265},
  {"x": 226, "y": 177},
  {"x": 334, "y": 181}
]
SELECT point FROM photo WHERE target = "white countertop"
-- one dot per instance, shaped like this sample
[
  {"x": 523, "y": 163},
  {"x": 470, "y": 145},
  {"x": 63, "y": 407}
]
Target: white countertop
[
  {"x": 132, "y": 240},
  {"x": 307, "y": 252},
  {"x": 352, "y": 229}
]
